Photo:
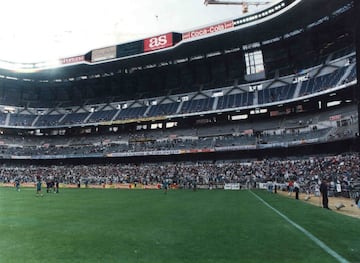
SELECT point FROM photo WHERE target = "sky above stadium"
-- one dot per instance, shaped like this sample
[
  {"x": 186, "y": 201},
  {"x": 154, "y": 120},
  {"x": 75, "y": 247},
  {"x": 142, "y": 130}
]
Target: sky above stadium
[{"x": 42, "y": 30}]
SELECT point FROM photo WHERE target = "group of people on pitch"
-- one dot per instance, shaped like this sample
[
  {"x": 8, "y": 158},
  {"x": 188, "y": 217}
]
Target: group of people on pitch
[{"x": 52, "y": 186}]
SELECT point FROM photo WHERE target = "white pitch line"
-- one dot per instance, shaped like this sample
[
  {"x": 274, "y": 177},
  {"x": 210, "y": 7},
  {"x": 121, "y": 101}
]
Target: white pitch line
[{"x": 305, "y": 232}]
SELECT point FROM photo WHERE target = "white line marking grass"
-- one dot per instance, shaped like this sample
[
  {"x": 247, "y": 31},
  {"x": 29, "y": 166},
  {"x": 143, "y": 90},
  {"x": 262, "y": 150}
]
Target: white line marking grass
[{"x": 305, "y": 232}]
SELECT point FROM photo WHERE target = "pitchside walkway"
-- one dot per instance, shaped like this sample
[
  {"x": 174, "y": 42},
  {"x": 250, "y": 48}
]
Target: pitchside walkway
[{"x": 350, "y": 208}]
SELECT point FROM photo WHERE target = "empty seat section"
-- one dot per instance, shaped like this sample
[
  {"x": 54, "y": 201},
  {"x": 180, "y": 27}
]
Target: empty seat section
[{"x": 163, "y": 109}]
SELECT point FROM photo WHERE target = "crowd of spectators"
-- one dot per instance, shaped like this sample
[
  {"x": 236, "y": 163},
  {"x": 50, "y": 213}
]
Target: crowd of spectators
[{"x": 307, "y": 171}]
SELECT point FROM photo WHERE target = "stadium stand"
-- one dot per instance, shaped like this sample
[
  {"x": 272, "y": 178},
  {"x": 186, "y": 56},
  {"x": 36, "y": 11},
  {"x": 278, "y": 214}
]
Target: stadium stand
[
  {"x": 197, "y": 103},
  {"x": 199, "y": 97}
]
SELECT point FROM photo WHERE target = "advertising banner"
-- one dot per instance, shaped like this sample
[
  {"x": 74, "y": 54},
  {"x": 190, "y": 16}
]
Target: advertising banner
[
  {"x": 158, "y": 42},
  {"x": 103, "y": 54},
  {"x": 208, "y": 30},
  {"x": 72, "y": 60},
  {"x": 232, "y": 186}
]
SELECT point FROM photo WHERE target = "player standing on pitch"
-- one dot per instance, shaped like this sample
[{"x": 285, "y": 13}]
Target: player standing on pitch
[
  {"x": 165, "y": 186},
  {"x": 38, "y": 187},
  {"x": 17, "y": 185},
  {"x": 56, "y": 183}
]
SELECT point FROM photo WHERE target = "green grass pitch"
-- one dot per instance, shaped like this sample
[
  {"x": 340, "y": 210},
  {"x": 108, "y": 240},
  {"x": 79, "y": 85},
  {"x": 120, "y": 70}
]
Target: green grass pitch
[{"x": 97, "y": 225}]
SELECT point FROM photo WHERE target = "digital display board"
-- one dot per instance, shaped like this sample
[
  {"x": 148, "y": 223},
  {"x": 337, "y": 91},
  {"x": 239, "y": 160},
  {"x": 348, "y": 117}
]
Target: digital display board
[{"x": 129, "y": 49}]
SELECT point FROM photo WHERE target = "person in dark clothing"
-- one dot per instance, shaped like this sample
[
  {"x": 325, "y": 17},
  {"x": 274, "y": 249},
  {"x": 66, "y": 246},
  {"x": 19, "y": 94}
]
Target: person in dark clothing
[
  {"x": 17, "y": 185},
  {"x": 296, "y": 189},
  {"x": 194, "y": 186},
  {"x": 324, "y": 193},
  {"x": 48, "y": 186},
  {"x": 56, "y": 183}
]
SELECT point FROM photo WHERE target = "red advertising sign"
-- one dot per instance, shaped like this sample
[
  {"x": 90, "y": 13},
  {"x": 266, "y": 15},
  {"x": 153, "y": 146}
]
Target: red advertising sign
[
  {"x": 208, "y": 30},
  {"x": 335, "y": 117},
  {"x": 158, "y": 42},
  {"x": 72, "y": 59}
]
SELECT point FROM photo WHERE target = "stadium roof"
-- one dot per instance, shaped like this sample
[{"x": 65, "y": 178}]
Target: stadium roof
[
  {"x": 41, "y": 30},
  {"x": 304, "y": 15}
]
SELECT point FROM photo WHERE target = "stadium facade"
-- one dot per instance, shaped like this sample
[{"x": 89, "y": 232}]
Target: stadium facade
[{"x": 282, "y": 81}]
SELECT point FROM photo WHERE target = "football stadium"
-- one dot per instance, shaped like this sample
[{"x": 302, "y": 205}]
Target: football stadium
[{"x": 234, "y": 141}]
